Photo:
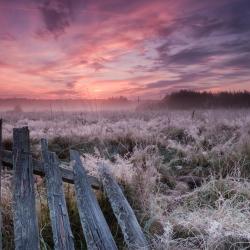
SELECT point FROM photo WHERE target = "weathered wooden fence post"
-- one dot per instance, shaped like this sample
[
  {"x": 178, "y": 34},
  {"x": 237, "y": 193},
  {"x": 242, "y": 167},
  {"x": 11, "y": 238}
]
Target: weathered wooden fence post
[
  {"x": 130, "y": 227},
  {"x": 25, "y": 221},
  {"x": 1, "y": 158},
  {"x": 95, "y": 228},
  {"x": 62, "y": 234}
]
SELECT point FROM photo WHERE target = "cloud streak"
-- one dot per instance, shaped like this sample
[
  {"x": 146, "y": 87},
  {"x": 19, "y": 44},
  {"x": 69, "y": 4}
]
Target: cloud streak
[{"x": 60, "y": 47}]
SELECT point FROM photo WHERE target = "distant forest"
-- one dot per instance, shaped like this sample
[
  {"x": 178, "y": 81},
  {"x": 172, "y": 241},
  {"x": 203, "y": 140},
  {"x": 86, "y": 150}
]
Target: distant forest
[
  {"x": 186, "y": 99},
  {"x": 18, "y": 105}
]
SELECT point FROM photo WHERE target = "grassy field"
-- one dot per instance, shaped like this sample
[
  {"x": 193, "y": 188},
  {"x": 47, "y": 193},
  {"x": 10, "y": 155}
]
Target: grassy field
[{"x": 185, "y": 173}]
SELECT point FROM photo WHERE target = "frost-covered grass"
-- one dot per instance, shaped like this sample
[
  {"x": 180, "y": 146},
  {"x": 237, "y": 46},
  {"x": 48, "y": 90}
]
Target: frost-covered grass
[{"x": 149, "y": 153}]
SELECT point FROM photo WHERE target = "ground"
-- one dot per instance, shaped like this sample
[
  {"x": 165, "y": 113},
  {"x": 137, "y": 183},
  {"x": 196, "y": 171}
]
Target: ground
[{"x": 185, "y": 173}]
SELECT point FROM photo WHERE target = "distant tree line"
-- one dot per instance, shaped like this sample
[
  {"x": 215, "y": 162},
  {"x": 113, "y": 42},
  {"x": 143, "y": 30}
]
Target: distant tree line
[
  {"x": 117, "y": 100},
  {"x": 17, "y": 105},
  {"x": 186, "y": 99}
]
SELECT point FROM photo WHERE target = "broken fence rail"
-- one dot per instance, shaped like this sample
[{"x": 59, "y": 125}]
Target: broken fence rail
[{"x": 95, "y": 228}]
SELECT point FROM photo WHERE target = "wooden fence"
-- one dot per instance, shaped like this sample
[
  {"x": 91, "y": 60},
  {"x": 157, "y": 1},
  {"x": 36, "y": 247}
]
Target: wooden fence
[{"x": 95, "y": 228}]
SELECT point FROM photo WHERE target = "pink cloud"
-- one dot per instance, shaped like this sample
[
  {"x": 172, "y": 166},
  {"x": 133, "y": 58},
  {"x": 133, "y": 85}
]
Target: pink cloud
[{"x": 110, "y": 47}]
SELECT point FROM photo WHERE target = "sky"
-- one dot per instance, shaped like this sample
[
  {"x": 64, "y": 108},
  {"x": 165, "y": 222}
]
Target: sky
[{"x": 59, "y": 49}]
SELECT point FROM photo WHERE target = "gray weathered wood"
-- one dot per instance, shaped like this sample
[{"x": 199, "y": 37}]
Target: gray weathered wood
[
  {"x": 95, "y": 228},
  {"x": 62, "y": 234},
  {"x": 25, "y": 221},
  {"x": 1, "y": 149},
  {"x": 130, "y": 227},
  {"x": 67, "y": 174}
]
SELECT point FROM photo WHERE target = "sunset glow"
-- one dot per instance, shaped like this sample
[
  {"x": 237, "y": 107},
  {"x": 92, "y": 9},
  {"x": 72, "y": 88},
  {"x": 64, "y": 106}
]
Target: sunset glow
[{"x": 98, "y": 49}]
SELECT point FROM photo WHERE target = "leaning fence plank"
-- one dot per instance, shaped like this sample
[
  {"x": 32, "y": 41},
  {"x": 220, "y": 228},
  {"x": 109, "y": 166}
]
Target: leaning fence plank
[
  {"x": 67, "y": 174},
  {"x": 62, "y": 234},
  {"x": 130, "y": 227},
  {"x": 25, "y": 220},
  {"x": 95, "y": 228}
]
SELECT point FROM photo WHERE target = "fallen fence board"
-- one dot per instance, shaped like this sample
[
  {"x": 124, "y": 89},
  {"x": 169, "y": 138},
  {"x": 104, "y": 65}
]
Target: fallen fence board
[
  {"x": 130, "y": 227},
  {"x": 62, "y": 234},
  {"x": 26, "y": 232},
  {"x": 67, "y": 174},
  {"x": 95, "y": 228}
]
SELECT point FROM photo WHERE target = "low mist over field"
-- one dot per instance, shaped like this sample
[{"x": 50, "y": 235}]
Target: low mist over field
[
  {"x": 125, "y": 124},
  {"x": 29, "y": 105},
  {"x": 181, "y": 100}
]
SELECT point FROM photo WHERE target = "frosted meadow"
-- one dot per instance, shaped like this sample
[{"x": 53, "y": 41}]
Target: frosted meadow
[
  {"x": 185, "y": 173},
  {"x": 159, "y": 91}
]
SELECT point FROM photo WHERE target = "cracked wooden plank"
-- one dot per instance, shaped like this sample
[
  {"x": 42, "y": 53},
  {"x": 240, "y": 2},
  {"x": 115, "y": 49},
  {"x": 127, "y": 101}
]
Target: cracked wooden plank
[
  {"x": 126, "y": 218},
  {"x": 62, "y": 234},
  {"x": 26, "y": 232},
  {"x": 95, "y": 228}
]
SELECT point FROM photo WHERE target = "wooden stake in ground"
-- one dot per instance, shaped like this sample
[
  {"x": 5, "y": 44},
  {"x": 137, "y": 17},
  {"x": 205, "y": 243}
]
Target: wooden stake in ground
[
  {"x": 25, "y": 220},
  {"x": 1, "y": 150},
  {"x": 62, "y": 235}
]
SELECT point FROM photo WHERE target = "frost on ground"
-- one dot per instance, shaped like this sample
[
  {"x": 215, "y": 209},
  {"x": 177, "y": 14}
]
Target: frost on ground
[{"x": 186, "y": 174}]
